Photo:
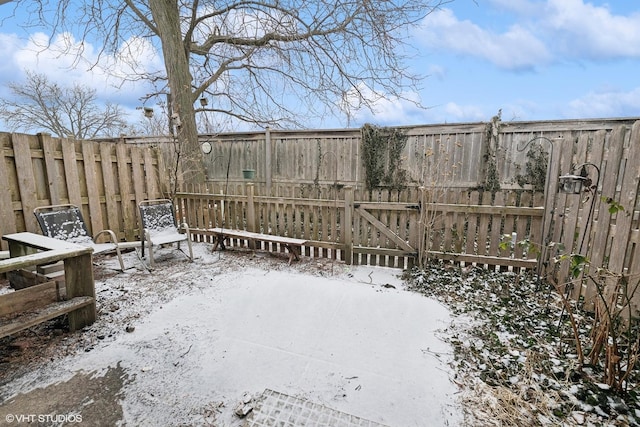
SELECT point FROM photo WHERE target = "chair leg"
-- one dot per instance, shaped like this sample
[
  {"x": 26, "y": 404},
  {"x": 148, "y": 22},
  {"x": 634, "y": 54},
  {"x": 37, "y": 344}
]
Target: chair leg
[
  {"x": 188, "y": 233},
  {"x": 120, "y": 258},
  {"x": 150, "y": 248},
  {"x": 190, "y": 249},
  {"x": 190, "y": 256}
]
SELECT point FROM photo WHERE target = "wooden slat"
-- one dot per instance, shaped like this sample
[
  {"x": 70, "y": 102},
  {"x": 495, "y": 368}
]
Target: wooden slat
[
  {"x": 151, "y": 175},
  {"x": 78, "y": 273},
  {"x": 496, "y": 226},
  {"x": 462, "y": 198},
  {"x": 549, "y": 212},
  {"x": 38, "y": 258},
  {"x": 95, "y": 210},
  {"x": 581, "y": 220},
  {"x": 483, "y": 226},
  {"x": 472, "y": 221},
  {"x": 486, "y": 209},
  {"x": 486, "y": 260},
  {"x": 113, "y": 219},
  {"x": 41, "y": 242},
  {"x": 69, "y": 160},
  {"x": 49, "y": 312},
  {"x": 7, "y": 216},
  {"x": 26, "y": 181},
  {"x": 449, "y": 220},
  {"x": 609, "y": 178},
  {"x": 535, "y": 232},
  {"x": 138, "y": 179},
  {"x": 521, "y": 225},
  {"x": 48, "y": 149},
  {"x": 29, "y": 298},
  {"x": 565, "y": 163},
  {"x": 509, "y": 226},
  {"x": 125, "y": 181}
]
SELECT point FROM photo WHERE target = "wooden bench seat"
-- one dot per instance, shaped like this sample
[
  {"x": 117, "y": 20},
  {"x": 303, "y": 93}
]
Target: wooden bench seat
[{"x": 292, "y": 245}]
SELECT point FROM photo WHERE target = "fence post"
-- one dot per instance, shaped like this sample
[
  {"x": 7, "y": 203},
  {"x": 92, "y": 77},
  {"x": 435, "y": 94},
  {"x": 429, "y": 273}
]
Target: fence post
[
  {"x": 251, "y": 213},
  {"x": 267, "y": 159},
  {"x": 347, "y": 227},
  {"x": 251, "y": 209}
]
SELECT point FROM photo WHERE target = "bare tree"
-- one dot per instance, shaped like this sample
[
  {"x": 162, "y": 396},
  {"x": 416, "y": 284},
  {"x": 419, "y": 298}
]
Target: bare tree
[
  {"x": 266, "y": 62},
  {"x": 40, "y": 105}
]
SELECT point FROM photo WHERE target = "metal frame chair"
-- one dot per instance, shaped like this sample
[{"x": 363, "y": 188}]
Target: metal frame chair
[
  {"x": 65, "y": 222},
  {"x": 159, "y": 227}
]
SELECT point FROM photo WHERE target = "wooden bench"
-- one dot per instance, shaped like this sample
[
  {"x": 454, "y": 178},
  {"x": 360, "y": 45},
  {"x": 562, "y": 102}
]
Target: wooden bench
[
  {"x": 220, "y": 235},
  {"x": 28, "y": 307}
]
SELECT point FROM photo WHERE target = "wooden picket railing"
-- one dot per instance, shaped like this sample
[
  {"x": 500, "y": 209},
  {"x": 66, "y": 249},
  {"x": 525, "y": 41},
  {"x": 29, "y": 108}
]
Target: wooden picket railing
[{"x": 382, "y": 228}]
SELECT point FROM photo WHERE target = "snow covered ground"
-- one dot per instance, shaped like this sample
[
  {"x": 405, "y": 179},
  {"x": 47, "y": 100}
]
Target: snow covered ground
[{"x": 188, "y": 340}]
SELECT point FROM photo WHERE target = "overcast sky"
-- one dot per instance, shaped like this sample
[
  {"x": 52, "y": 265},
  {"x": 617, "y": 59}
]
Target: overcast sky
[{"x": 534, "y": 59}]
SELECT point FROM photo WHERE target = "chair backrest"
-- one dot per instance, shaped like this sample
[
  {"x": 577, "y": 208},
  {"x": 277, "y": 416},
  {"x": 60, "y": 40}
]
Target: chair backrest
[
  {"x": 63, "y": 222},
  {"x": 158, "y": 215}
]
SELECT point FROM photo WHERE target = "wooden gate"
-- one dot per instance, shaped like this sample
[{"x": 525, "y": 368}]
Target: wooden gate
[
  {"x": 385, "y": 234},
  {"x": 482, "y": 229}
]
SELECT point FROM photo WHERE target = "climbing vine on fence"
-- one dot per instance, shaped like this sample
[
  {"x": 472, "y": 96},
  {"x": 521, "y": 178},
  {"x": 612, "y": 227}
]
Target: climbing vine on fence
[
  {"x": 382, "y": 150},
  {"x": 535, "y": 168},
  {"x": 491, "y": 181}
]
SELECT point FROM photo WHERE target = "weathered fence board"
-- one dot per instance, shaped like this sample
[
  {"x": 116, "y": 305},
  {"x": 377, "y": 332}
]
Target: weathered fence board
[
  {"x": 72, "y": 180},
  {"x": 41, "y": 170},
  {"x": 26, "y": 180},
  {"x": 581, "y": 224},
  {"x": 90, "y": 172},
  {"x": 313, "y": 157},
  {"x": 7, "y": 215}
]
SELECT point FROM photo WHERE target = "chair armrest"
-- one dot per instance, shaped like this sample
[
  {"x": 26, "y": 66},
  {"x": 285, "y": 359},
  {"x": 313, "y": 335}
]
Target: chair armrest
[
  {"x": 185, "y": 226},
  {"x": 112, "y": 236}
]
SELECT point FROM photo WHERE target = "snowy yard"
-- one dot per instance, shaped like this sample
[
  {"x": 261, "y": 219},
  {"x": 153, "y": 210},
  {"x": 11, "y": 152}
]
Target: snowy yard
[{"x": 184, "y": 343}]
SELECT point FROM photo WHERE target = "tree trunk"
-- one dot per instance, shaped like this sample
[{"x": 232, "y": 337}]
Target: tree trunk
[{"x": 176, "y": 58}]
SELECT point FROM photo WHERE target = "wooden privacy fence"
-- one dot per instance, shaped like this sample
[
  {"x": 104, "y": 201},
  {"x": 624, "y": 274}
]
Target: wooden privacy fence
[
  {"x": 298, "y": 164},
  {"x": 385, "y": 228},
  {"x": 590, "y": 224},
  {"x": 283, "y": 158},
  {"x": 106, "y": 180},
  {"x": 313, "y": 189}
]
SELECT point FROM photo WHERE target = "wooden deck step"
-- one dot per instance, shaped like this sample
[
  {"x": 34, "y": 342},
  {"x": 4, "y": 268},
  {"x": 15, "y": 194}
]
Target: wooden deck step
[{"x": 48, "y": 312}]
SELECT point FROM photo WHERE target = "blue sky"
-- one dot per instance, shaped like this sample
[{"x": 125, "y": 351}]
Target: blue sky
[{"x": 533, "y": 59}]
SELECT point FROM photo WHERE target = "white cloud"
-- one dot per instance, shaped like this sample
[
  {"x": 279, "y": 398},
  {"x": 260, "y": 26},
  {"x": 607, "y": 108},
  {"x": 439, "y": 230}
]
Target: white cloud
[
  {"x": 581, "y": 29},
  {"x": 515, "y": 49},
  {"x": 386, "y": 109},
  {"x": 68, "y": 61},
  {"x": 436, "y": 71},
  {"x": 453, "y": 112},
  {"x": 541, "y": 33},
  {"x": 606, "y": 104}
]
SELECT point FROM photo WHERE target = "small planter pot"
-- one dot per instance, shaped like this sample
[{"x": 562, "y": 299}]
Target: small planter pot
[{"x": 248, "y": 173}]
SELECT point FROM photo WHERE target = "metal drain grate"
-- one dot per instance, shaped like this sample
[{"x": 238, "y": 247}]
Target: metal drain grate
[{"x": 275, "y": 409}]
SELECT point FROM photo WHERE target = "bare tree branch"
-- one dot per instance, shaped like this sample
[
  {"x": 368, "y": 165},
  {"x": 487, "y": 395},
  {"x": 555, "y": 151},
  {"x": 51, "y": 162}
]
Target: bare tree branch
[
  {"x": 260, "y": 60},
  {"x": 40, "y": 105}
]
